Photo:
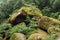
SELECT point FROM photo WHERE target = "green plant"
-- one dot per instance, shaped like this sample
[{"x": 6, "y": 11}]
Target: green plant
[
  {"x": 20, "y": 29},
  {"x": 55, "y": 4},
  {"x": 4, "y": 28}
]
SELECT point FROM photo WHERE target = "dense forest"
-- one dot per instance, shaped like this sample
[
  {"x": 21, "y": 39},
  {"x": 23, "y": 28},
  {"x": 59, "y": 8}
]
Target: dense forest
[{"x": 27, "y": 27}]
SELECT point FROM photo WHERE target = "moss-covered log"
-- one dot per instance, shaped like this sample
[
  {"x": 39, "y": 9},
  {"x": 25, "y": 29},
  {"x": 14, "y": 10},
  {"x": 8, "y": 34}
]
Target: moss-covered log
[{"x": 22, "y": 13}]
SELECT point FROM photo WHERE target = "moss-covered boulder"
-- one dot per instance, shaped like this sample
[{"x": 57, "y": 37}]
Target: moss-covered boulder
[
  {"x": 18, "y": 36},
  {"x": 38, "y": 35}
]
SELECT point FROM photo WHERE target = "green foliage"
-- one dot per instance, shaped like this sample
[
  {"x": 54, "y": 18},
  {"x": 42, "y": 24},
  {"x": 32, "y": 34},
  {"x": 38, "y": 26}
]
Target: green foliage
[
  {"x": 35, "y": 3},
  {"x": 46, "y": 11},
  {"x": 4, "y": 28},
  {"x": 20, "y": 29},
  {"x": 42, "y": 3},
  {"x": 59, "y": 17},
  {"x": 29, "y": 3},
  {"x": 52, "y": 36},
  {"x": 33, "y": 24},
  {"x": 55, "y": 4},
  {"x": 55, "y": 15}
]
